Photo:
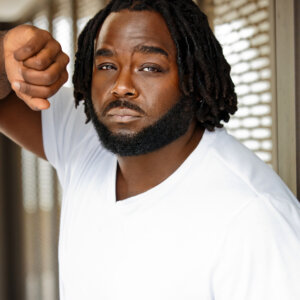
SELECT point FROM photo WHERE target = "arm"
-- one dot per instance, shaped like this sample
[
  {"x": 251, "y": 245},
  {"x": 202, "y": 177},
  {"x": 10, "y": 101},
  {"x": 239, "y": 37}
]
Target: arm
[
  {"x": 5, "y": 87},
  {"x": 32, "y": 68}
]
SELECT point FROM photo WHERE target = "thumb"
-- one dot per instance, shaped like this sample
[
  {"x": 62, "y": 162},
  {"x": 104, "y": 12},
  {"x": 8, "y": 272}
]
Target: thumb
[{"x": 23, "y": 91}]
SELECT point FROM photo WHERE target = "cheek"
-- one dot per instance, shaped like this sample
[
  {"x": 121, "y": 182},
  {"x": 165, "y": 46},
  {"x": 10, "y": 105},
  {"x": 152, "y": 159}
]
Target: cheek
[
  {"x": 95, "y": 88},
  {"x": 164, "y": 94},
  {"x": 99, "y": 90}
]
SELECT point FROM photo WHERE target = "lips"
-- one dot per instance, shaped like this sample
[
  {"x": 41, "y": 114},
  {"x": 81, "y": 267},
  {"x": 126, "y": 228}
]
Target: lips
[{"x": 119, "y": 114}]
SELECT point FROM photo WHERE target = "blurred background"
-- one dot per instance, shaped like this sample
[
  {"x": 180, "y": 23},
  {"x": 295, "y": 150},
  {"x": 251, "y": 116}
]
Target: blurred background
[{"x": 260, "y": 40}]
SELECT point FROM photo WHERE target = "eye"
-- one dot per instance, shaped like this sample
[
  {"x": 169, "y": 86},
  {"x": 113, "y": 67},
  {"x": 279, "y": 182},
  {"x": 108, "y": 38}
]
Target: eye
[
  {"x": 106, "y": 67},
  {"x": 152, "y": 69}
]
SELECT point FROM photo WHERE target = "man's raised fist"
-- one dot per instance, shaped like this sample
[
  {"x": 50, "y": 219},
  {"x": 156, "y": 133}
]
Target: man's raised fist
[{"x": 35, "y": 65}]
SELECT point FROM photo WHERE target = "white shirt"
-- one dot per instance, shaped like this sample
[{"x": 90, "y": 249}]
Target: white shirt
[{"x": 223, "y": 226}]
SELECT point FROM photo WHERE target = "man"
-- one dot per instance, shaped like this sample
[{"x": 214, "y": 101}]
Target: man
[{"x": 166, "y": 205}]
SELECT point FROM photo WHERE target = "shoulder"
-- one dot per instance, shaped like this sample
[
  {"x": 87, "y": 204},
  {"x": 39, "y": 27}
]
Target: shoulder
[
  {"x": 227, "y": 177},
  {"x": 62, "y": 107},
  {"x": 66, "y": 135},
  {"x": 246, "y": 169},
  {"x": 64, "y": 116}
]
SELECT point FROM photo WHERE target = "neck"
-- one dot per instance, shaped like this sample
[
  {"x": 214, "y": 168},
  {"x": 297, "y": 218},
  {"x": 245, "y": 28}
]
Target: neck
[{"x": 137, "y": 174}]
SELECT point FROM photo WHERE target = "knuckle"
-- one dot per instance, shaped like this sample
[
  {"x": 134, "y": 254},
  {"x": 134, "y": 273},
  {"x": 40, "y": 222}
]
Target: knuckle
[
  {"x": 63, "y": 80},
  {"x": 65, "y": 76},
  {"x": 58, "y": 46},
  {"x": 54, "y": 46},
  {"x": 37, "y": 38},
  {"x": 47, "y": 35},
  {"x": 33, "y": 34},
  {"x": 27, "y": 30},
  {"x": 63, "y": 60},
  {"x": 66, "y": 58}
]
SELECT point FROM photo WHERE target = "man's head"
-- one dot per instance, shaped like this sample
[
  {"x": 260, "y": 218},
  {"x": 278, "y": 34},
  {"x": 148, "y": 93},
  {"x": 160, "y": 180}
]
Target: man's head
[{"x": 144, "y": 67}]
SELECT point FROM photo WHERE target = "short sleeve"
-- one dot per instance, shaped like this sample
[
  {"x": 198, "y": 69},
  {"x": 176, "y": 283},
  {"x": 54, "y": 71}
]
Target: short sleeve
[
  {"x": 260, "y": 256},
  {"x": 63, "y": 127}
]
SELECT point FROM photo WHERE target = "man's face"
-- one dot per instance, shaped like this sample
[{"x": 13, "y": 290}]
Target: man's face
[{"x": 135, "y": 76}]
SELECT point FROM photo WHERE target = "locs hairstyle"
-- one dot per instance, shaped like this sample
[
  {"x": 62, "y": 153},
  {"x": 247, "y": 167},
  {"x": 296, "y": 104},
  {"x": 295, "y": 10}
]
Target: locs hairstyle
[{"x": 203, "y": 71}]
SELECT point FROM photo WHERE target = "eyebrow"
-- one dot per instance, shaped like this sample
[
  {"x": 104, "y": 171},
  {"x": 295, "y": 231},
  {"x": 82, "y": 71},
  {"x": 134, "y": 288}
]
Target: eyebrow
[
  {"x": 151, "y": 50},
  {"x": 141, "y": 49},
  {"x": 104, "y": 52}
]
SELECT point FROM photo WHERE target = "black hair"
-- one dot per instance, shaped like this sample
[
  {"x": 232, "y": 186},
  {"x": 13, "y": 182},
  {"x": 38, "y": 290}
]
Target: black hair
[{"x": 204, "y": 73}]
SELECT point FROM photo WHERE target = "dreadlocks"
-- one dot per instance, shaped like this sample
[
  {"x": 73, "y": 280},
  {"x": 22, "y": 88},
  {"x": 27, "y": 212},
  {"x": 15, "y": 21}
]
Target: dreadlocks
[{"x": 203, "y": 71}]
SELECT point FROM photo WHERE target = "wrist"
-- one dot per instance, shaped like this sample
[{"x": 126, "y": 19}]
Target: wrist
[{"x": 5, "y": 87}]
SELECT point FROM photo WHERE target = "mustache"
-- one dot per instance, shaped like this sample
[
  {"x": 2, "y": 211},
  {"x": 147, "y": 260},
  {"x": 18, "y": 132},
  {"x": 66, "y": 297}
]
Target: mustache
[{"x": 123, "y": 104}]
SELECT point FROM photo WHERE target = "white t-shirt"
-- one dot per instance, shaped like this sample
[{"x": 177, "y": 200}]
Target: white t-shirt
[{"x": 223, "y": 226}]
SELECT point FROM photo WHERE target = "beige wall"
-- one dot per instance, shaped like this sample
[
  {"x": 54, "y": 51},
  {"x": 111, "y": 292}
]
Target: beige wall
[{"x": 284, "y": 82}]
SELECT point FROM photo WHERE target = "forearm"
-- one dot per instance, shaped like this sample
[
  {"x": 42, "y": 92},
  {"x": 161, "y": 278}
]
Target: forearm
[
  {"x": 21, "y": 124},
  {"x": 5, "y": 87}
]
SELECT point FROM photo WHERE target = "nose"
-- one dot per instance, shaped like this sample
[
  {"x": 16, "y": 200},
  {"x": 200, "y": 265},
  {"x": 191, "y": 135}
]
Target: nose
[{"x": 124, "y": 86}]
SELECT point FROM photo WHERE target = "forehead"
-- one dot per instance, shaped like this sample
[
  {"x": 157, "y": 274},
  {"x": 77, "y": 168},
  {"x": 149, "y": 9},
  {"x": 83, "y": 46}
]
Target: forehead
[{"x": 127, "y": 29}]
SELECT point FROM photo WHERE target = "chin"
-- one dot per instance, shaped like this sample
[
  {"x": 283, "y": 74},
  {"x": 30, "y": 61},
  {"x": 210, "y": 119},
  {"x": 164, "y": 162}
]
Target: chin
[
  {"x": 123, "y": 130},
  {"x": 128, "y": 142}
]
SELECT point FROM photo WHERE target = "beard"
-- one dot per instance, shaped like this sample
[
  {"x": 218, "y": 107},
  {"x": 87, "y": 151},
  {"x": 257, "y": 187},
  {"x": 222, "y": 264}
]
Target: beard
[{"x": 165, "y": 130}]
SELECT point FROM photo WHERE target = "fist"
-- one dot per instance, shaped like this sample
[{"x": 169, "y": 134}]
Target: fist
[{"x": 35, "y": 65}]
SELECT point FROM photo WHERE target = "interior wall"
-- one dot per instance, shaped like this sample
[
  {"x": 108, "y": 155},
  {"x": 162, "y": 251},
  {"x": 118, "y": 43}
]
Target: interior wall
[
  {"x": 11, "y": 279},
  {"x": 285, "y": 86}
]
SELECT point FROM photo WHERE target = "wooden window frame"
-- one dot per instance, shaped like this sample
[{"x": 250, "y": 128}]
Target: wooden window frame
[{"x": 283, "y": 32}]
